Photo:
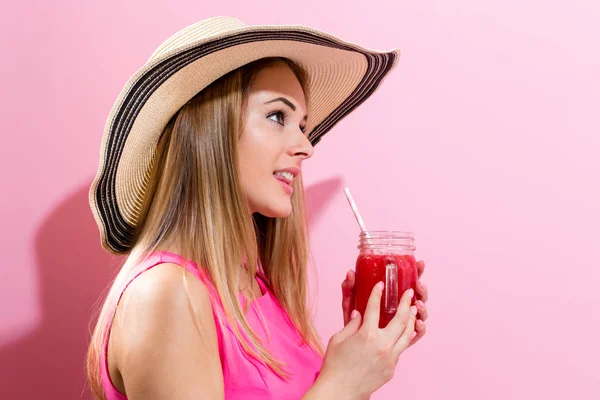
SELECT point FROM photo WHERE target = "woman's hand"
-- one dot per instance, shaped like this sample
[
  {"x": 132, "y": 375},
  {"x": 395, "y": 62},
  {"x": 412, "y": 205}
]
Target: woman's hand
[
  {"x": 361, "y": 357},
  {"x": 422, "y": 297},
  {"x": 421, "y": 292}
]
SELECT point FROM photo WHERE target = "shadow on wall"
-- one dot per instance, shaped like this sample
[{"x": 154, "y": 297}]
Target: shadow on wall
[
  {"x": 73, "y": 271},
  {"x": 74, "y": 274},
  {"x": 319, "y": 195}
]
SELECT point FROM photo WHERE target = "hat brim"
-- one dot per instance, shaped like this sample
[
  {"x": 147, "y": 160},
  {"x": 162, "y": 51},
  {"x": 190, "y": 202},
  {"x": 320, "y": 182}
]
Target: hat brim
[{"x": 342, "y": 76}]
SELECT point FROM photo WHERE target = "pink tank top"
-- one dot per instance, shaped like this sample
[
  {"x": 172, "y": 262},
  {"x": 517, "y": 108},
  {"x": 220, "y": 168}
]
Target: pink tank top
[{"x": 244, "y": 377}]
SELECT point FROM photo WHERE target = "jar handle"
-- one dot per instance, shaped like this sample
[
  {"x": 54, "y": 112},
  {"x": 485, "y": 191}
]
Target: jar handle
[{"x": 391, "y": 288}]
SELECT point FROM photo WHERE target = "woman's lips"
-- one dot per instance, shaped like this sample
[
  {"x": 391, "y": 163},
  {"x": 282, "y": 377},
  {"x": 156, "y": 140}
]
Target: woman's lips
[{"x": 285, "y": 184}]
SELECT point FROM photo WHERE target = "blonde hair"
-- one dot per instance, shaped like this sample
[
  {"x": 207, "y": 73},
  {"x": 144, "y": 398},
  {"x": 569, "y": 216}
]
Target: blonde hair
[{"x": 194, "y": 199}]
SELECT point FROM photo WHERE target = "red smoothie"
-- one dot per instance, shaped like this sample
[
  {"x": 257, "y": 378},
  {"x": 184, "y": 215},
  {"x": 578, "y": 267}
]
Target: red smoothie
[{"x": 394, "y": 270}]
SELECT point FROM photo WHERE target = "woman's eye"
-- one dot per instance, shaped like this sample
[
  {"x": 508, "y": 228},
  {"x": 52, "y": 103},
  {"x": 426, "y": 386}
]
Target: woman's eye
[{"x": 280, "y": 117}]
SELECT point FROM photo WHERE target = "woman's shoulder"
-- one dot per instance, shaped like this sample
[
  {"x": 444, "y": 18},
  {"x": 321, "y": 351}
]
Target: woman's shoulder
[
  {"x": 163, "y": 286},
  {"x": 156, "y": 305},
  {"x": 163, "y": 293},
  {"x": 154, "y": 313}
]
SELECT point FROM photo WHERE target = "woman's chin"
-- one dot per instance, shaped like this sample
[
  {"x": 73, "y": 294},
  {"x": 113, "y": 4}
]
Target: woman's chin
[{"x": 277, "y": 210}]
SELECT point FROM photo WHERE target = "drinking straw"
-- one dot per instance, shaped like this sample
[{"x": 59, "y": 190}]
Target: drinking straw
[{"x": 356, "y": 213}]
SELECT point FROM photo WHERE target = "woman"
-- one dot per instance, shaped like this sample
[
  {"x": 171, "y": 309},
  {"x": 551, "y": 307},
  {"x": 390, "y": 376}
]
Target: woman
[{"x": 200, "y": 186}]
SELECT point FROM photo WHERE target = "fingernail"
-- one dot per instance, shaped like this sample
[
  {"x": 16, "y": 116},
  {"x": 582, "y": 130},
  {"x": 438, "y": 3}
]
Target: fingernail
[
  {"x": 354, "y": 314},
  {"x": 380, "y": 286},
  {"x": 413, "y": 309},
  {"x": 411, "y": 293},
  {"x": 348, "y": 274}
]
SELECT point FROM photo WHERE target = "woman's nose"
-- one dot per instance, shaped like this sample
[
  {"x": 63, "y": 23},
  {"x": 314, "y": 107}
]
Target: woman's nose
[{"x": 302, "y": 147}]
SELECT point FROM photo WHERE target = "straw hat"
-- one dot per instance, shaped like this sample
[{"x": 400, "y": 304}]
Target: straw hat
[{"x": 341, "y": 75}]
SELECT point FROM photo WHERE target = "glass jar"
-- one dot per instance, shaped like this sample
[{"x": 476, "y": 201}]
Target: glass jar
[{"x": 388, "y": 257}]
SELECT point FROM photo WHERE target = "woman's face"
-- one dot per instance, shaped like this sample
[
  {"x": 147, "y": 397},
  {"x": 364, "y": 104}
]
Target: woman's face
[{"x": 273, "y": 145}]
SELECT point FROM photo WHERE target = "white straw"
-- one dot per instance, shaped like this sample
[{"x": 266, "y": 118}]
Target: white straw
[{"x": 355, "y": 211}]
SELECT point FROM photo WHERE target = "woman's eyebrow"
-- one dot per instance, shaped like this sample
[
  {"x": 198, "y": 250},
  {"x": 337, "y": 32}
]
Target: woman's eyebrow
[{"x": 286, "y": 102}]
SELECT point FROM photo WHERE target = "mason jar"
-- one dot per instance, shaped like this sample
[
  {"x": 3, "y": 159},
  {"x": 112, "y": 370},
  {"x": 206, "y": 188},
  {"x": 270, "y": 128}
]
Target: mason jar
[{"x": 388, "y": 257}]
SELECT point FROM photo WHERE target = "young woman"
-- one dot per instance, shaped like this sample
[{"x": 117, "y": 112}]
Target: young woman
[{"x": 200, "y": 186}]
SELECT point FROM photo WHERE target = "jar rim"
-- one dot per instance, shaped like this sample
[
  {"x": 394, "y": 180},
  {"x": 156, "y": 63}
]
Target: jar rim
[
  {"x": 379, "y": 241},
  {"x": 397, "y": 233}
]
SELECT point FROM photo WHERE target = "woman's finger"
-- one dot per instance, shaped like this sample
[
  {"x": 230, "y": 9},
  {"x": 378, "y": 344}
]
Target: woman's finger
[
  {"x": 422, "y": 293},
  {"x": 346, "y": 309},
  {"x": 398, "y": 324},
  {"x": 420, "y": 267},
  {"x": 347, "y": 289},
  {"x": 422, "y": 312},
  {"x": 350, "y": 329},
  {"x": 407, "y": 336},
  {"x": 420, "y": 330},
  {"x": 371, "y": 317},
  {"x": 348, "y": 284}
]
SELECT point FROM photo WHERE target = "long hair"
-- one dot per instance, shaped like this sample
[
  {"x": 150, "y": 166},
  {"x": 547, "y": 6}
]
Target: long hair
[{"x": 194, "y": 199}]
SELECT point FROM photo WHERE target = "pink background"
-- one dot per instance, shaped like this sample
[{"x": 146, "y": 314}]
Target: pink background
[{"x": 484, "y": 142}]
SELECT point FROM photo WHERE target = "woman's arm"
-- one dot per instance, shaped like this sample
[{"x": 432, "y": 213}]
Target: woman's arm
[
  {"x": 322, "y": 390},
  {"x": 326, "y": 389},
  {"x": 159, "y": 350}
]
